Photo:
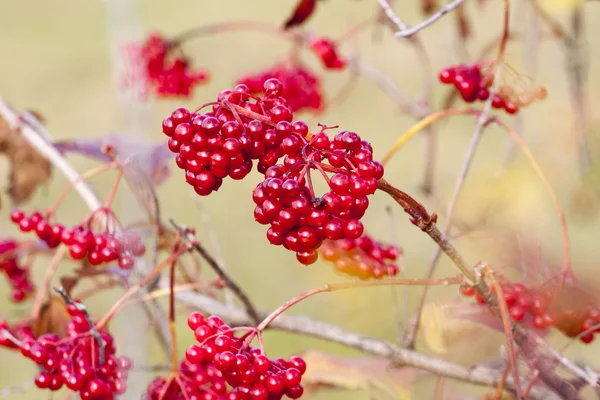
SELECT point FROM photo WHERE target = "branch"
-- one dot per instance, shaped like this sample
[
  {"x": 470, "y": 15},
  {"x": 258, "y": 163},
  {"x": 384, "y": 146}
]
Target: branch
[
  {"x": 478, "y": 375},
  {"x": 93, "y": 331},
  {"x": 41, "y": 140},
  {"x": 240, "y": 294},
  {"x": 427, "y": 223},
  {"x": 404, "y": 30}
]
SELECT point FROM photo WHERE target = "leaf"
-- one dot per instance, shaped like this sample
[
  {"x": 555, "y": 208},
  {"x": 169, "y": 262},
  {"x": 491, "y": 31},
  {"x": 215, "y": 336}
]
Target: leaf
[
  {"x": 304, "y": 9},
  {"x": 151, "y": 159},
  {"x": 452, "y": 325},
  {"x": 53, "y": 318},
  {"x": 28, "y": 168},
  {"x": 358, "y": 374}
]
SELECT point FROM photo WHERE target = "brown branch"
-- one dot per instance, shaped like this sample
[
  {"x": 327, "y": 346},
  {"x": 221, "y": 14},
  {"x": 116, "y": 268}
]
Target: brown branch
[{"x": 239, "y": 293}]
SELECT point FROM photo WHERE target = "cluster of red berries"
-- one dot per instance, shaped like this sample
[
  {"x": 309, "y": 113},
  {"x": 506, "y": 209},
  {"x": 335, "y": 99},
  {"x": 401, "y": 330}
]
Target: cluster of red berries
[
  {"x": 363, "y": 257},
  {"x": 73, "y": 361},
  {"x": 224, "y": 142},
  {"x": 250, "y": 373},
  {"x": 298, "y": 219},
  {"x": 198, "y": 381},
  {"x": 473, "y": 85},
  {"x": 169, "y": 74},
  {"x": 19, "y": 279},
  {"x": 566, "y": 308},
  {"x": 98, "y": 247},
  {"x": 302, "y": 89},
  {"x": 326, "y": 50}
]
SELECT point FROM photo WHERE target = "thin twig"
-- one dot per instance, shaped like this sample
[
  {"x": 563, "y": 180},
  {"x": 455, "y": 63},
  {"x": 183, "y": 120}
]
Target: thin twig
[
  {"x": 408, "y": 32},
  {"x": 93, "y": 331},
  {"x": 458, "y": 186},
  {"x": 240, "y": 294}
]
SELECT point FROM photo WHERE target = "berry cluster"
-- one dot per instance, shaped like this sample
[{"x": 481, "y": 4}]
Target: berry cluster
[
  {"x": 363, "y": 257},
  {"x": 302, "y": 89},
  {"x": 170, "y": 75},
  {"x": 199, "y": 381},
  {"x": 19, "y": 279},
  {"x": 73, "y": 361},
  {"x": 326, "y": 50},
  {"x": 298, "y": 219},
  {"x": 98, "y": 247},
  {"x": 565, "y": 308},
  {"x": 246, "y": 369},
  {"x": 473, "y": 85},
  {"x": 224, "y": 142}
]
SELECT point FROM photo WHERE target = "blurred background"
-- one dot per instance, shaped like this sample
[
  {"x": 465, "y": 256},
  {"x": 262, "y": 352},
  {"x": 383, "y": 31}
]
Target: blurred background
[{"x": 64, "y": 60}]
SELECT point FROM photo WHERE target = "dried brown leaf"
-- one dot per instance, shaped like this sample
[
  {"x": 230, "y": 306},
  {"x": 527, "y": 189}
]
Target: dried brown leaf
[
  {"x": 29, "y": 169},
  {"x": 53, "y": 317},
  {"x": 358, "y": 374}
]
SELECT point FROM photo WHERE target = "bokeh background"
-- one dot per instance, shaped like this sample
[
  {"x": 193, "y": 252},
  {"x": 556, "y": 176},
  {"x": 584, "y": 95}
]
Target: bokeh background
[{"x": 61, "y": 59}]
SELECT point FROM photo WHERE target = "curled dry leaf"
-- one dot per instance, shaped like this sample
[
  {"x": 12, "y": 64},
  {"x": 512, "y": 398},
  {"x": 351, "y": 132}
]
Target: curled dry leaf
[
  {"x": 53, "y": 317},
  {"x": 151, "y": 159},
  {"x": 358, "y": 374},
  {"x": 28, "y": 168}
]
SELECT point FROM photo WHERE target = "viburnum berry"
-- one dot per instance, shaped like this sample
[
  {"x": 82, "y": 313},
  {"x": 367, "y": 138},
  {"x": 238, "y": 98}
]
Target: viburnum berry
[
  {"x": 474, "y": 85},
  {"x": 18, "y": 277},
  {"x": 363, "y": 257},
  {"x": 567, "y": 308},
  {"x": 297, "y": 84},
  {"x": 299, "y": 219},
  {"x": 74, "y": 360},
  {"x": 225, "y": 142},
  {"x": 103, "y": 247},
  {"x": 169, "y": 74},
  {"x": 326, "y": 50},
  {"x": 197, "y": 381},
  {"x": 250, "y": 373}
]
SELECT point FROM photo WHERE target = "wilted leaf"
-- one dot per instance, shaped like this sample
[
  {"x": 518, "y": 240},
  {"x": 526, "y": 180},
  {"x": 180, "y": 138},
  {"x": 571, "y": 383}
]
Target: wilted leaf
[
  {"x": 452, "y": 326},
  {"x": 358, "y": 374},
  {"x": 28, "y": 168},
  {"x": 53, "y": 317},
  {"x": 302, "y": 12},
  {"x": 151, "y": 159}
]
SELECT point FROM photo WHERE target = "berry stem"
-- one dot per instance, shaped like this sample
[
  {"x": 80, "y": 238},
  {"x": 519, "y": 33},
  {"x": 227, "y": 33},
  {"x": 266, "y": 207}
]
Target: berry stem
[
  {"x": 350, "y": 285},
  {"x": 507, "y": 325},
  {"x": 419, "y": 126},
  {"x": 505, "y": 34},
  {"x": 42, "y": 293},
  {"x": 135, "y": 288},
  {"x": 566, "y": 264},
  {"x": 86, "y": 175},
  {"x": 230, "y": 26},
  {"x": 114, "y": 188}
]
